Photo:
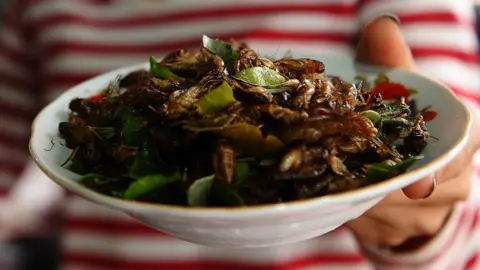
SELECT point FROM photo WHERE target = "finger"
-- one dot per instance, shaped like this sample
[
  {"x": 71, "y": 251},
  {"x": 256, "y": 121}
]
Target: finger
[
  {"x": 382, "y": 43},
  {"x": 446, "y": 193},
  {"x": 421, "y": 189},
  {"x": 369, "y": 231},
  {"x": 393, "y": 225},
  {"x": 448, "y": 189},
  {"x": 452, "y": 190},
  {"x": 457, "y": 167}
]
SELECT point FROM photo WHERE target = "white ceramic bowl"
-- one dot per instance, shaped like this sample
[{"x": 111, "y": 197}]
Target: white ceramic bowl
[{"x": 268, "y": 225}]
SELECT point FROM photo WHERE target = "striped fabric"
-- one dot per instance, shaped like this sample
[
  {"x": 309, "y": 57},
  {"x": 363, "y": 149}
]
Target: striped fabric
[
  {"x": 477, "y": 12},
  {"x": 46, "y": 46}
]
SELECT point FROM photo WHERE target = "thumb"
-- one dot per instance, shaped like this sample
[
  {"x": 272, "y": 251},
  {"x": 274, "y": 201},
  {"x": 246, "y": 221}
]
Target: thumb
[{"x": 381, "y": 43}]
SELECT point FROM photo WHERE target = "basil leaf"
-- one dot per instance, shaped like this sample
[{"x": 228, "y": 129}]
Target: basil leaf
[
  {"x": 208, "y": 192},
  {"x": 198, "y": 193},
  {"x": 372, "y": 116},
  {"x": 222, "y": 49},
  {"x": 222, "y": 194},
  {"x": 111, "y": 186},
  {"x": 250, "y": 140},
  {"x": 77, "y": 166},
  {"x": 147, "y": 160},
  {"x": 267, "y": 162},
  {"x": 91, "y": 179},
  {"x": 381, "y": 171},
  {"x": 131, "y": 125},
  {"x": 216, "y": 99},
  {"x": 261, "y": 76},
  {"x": 393, "y": 110},
  {"x": 159, "y": 71},
  {"x": 150, "y": 183},
  {"x": 398, "y": 122},
  {"x": 242, "y": 170}
]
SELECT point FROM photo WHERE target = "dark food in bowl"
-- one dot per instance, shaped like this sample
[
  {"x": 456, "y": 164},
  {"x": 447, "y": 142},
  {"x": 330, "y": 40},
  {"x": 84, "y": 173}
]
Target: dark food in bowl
[{"x": 226, "y": 127}]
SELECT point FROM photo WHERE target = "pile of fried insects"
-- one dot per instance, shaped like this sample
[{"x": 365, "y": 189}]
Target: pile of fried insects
[{"x": 225, "y": 127}]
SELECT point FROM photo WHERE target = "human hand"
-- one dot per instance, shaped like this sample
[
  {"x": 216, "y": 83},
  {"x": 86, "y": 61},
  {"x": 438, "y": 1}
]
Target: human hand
[
  {"x": 31, "y": 205},
  {"x": 17, "y": 220},
  {"x": 407, "y": 218}
]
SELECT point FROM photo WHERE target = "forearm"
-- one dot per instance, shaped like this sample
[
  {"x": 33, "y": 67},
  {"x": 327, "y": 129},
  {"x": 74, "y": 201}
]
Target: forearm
[
  {"x": 28, "y": 208},
  {"x": 36, "y": 191}
]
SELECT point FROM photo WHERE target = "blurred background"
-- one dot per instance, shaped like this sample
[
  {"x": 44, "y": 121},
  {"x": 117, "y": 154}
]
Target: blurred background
[
  {"x": 477, "y": 10},
  {"x": 42, "y": 253}
]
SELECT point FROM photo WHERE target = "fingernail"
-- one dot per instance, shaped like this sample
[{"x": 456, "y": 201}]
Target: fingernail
[
  {"x": 434, "y": 185},
  {"x": 391, "y": 16}
]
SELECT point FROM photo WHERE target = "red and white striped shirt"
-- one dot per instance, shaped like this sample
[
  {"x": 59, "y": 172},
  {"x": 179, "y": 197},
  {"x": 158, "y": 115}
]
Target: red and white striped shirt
[{"x": 47, "y": 46}]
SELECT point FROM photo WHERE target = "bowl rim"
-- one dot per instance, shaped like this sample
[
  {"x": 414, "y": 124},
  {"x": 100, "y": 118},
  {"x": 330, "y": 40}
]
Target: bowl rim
[{"x": 347, "y": 196}]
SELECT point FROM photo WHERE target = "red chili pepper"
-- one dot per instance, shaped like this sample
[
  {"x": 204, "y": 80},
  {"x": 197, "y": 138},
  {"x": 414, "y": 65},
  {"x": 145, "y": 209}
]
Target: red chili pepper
[
  {"x": 391, "y": 90},
  {"x": 429, "y": 115},
  {"x": 97, "y": 98}
]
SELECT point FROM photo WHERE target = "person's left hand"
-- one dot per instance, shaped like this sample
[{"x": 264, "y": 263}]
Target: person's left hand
[{"x": 420, "y": 210}]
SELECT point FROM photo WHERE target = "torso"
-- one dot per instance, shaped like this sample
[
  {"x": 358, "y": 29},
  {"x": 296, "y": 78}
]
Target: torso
[{"x": 81, "y": 38}]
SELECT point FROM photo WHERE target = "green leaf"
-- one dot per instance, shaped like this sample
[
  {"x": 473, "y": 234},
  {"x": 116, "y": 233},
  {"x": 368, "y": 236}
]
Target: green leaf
[
  {"x": 393, "y": 110},
  {"x": 216, "y": 100},
  {"x": 222, "y": 49},
  {"x": 222, "y": 194},
  {"x": 150, "y": 183},
  {"x": 106, "y": 185},
  {"x": 199, "y": 192},
  {"x": 381, "y": 171},
  {"x": 250, "y": 140},
  {"x": 147, "y": 160},
  {"x": 267, "y": 162},
  {"x": 208, "y": 192},
  {"x": 372, "y": 116},
  {"x": 261, "y": 76},
  {"x": 398, "y": 122},
  {"x": 91, "y": 179},
  {"x": 245, "y": 159},
  {"x": 242, "y": 170},
  {"x": 159, "y": 71},
  {"x": 77, "y": 166},
  {"x": 131, "y": 125}
]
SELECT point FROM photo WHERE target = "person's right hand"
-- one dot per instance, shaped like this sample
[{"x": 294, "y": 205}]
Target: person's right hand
[
  {"x": 18, "y": 220},
  {"x": 30, "y": 206},
  {"x": 408, "y": 218}
]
